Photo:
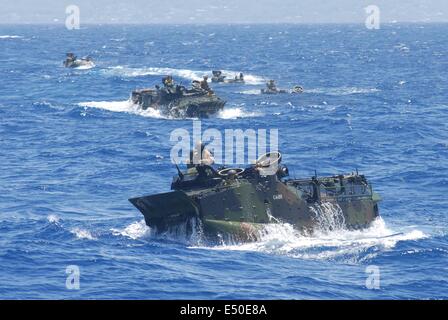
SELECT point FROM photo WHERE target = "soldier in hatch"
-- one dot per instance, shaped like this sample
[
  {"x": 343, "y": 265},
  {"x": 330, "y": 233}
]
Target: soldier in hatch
[
  {"x": 200, "y": 156},
  {"x": 168, "y": 82},
  {"x": 205, "y": 86},
  {"x": 69, "y": 59},
  {"x": 271, "y": 85}
]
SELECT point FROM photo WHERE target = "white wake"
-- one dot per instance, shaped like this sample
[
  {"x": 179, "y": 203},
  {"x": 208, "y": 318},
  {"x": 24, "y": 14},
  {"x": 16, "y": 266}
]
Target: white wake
[
  {"x": 122, "y": 106},
  {"x": 342, "y": 91},
  {"x": 331, "y": 240},
  {"x": 235, "y": 113},
  {"x": 85, "y": 67},
  {"x": 285, "y": 240},
  {"x": 10, "y": 37},
  {"x": 128, "y": 107},
  {"x": 125, "y": 71}
]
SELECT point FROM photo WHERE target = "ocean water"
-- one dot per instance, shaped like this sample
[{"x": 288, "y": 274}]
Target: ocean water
[{"x": 73, "y": 150}]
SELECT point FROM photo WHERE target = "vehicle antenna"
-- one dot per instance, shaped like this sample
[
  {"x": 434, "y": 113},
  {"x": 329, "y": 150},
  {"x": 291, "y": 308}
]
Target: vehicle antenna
[{"x": 181, "y": 175}]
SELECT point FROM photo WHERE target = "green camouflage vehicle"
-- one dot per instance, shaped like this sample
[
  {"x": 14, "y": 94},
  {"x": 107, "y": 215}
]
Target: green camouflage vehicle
[
  {"x": 179, "y": 102},
  {"x": 71, "y": 61},
  {"x": 271, "y": 88},
  {"x": 236, "y": 203},
  {"x": 218, "y": 77}
]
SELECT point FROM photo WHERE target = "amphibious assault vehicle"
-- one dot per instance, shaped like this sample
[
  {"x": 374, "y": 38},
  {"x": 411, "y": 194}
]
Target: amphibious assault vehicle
[
  {"x": 178, "y": 101},
  {"x": 71, "y": 61},
  {"x": 296, "y": 89},
  {"x": 236, "y": 203},
  {"x": 271, "y": 88},
  {"x": 217, "y": 77}
]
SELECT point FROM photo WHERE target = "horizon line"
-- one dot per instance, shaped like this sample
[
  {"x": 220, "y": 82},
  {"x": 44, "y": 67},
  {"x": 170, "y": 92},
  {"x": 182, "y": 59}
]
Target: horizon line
[{"x": 219, "y": 23}]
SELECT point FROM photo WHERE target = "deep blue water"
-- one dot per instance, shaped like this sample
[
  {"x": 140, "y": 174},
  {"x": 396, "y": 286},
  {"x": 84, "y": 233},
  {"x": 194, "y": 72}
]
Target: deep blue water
[{"x": 72, "y": 151}]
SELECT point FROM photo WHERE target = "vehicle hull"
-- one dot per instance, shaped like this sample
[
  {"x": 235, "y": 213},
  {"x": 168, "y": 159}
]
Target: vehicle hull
[
  {"x": 79, "y": 63},
  {"x": 193, "y": 105},
  {"x": 239, "y": 210}
]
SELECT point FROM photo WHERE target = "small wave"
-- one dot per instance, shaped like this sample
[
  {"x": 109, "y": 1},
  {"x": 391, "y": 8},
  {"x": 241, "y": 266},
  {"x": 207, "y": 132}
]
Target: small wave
[
  {"x": 251, "y": 92},
  {"x": 122, "y": 106},
  {"x": 235, "y": 113},
  {"x": 48, "y": 105},
  {"x": 10, "y": 37},
  {"x": 82, "y": 234},
  {"x": 182, "y": 73},
  {"x": 402, "y": 47},
  {"x": 342, "y": 91},
  {"x": 136, "y": 230},
  {"x": 52, "y": 218}
]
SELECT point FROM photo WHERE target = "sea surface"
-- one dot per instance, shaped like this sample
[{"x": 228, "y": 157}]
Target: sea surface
[{"x": 73, "y": 149}]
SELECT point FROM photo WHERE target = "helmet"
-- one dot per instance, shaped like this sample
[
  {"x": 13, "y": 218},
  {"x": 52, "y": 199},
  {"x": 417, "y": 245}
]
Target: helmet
[{"x": 200, "y": 145}]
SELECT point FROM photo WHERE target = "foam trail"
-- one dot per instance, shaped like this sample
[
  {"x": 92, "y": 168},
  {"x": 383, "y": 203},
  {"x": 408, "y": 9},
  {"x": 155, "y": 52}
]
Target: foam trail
[
  {"x": 251, "y": 92},
  {"x": 283, "y": 239},
  {"x": 182, "y": 73},
  {"x": 85, "y": 67},
  {"x": 128, "y": 107},
  {"x": 122, "y": 106},
  {"x": 342, "y": 91},
  {"x": 235, "y": 113},
  {"x": 152, "y": 71},
  {"x": 10, "y": 37}
]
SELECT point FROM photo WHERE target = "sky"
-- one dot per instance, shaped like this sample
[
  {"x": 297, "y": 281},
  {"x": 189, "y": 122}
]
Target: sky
[{"x": 221, "y": 11}]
